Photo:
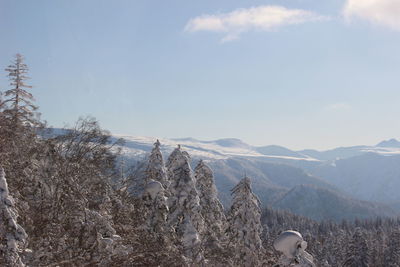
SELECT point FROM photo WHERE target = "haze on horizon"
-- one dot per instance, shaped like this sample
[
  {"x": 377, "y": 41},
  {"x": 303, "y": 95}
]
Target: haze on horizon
[{"x": 296, "y": 73}]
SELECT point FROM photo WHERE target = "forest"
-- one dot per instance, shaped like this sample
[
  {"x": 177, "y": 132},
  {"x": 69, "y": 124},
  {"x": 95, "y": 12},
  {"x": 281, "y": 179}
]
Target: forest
[{"x": 66, "y": 200}]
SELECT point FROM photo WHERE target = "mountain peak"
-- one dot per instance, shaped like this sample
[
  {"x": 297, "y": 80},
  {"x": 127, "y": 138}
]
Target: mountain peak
[{"x": 389, "y": 143}]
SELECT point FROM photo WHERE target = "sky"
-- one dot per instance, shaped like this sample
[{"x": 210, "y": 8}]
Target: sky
[{"x": 297, "y": 73}]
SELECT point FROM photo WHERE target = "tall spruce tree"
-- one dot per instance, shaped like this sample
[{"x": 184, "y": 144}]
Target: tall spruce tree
[
  {"x": 245, "y": 225},
  {"x": 184, "y": 204},
  {"x": 392, "y": 255},
  {"x": 358, "y": 251},
  {"x": 20, "y": 107},
  {"x": 18, "y": 122},
  {"x": 156, "y": 168},
  {"x": 212, "y": 211}
]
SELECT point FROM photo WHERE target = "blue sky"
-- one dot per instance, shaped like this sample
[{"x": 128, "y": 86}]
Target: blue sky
[{"x": 298, "y": 73}]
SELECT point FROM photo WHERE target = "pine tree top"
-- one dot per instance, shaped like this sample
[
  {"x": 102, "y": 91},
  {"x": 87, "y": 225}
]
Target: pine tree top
[
  {"x": 157, "y": 143},
  {"x": 243, "y": 185},
  {"x": 203, "y": 168},
  {"x": 177, "y": 158}
]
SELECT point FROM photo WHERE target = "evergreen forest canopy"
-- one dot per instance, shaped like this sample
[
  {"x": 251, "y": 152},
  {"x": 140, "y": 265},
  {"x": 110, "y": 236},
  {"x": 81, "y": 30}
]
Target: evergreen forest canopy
[{"x": 65, "y": 200}]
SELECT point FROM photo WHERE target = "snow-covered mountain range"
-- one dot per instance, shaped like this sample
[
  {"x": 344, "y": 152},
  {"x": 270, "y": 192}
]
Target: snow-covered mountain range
[
  {"x": 361, "y": 177},
  {"x": 230, "y": 147},
  {"x": 345, "y": 182}
]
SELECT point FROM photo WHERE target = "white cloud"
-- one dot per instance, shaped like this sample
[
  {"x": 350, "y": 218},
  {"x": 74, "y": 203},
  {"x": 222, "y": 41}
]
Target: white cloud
[
  {"x": 381, "y": 12},
  {"x": 263, "y": 18}
]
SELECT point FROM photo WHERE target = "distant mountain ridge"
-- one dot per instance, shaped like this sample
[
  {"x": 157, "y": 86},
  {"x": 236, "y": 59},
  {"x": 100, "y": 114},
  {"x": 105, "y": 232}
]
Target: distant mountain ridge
[
  {"x": 276, "y": 171},
  {"x": 325, "y": 204},
  {"x": 228, "y": 147},
  {"x": 370, "y": 176},
  {"x": 389, "y": 143}
]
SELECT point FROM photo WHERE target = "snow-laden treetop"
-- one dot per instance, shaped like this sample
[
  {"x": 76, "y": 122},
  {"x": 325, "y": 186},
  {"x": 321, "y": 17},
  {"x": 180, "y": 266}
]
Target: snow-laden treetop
[
  {"x": 205, "y": 180},
  {"x": 177, "y": 159},
  {"x": 156, "y": 169},
  {"x": 243, "y": 189}
]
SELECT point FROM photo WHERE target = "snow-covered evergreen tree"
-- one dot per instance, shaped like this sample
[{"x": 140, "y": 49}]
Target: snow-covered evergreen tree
[
  {"x": 156, "y": 169},
  {"x": 155, "y": 205},
  {"x": 12, "y": 235},
  {"x": 245, "y": 225},
  {"x": 212, "y": 211},
  {"x": 392, "y": 255},
  {"x": 184, "y": 204},
  {"x": 379, "y": 245},
  {"x": 358, "y": 251},
  {"x": 20, "y": 108}
]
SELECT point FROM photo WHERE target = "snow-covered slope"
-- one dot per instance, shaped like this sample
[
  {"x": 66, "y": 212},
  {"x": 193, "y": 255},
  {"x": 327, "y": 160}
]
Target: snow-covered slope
[
  {"x": 218, "y": 149},
  {"x": 230, "y": 147}
]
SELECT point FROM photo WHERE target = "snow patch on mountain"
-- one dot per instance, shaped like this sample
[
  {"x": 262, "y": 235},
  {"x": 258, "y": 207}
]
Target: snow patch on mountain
[{"x": 137, "y": 146}]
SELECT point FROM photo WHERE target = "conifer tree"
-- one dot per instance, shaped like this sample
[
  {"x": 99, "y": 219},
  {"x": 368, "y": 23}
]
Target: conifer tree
[
  {"x": 392, "y": 255},
  {"x": 184, "y": 204},
  {"x": 358, "y": 251},
  {"x": 245, "y": 226},
  {"x": 12, "y": 235},
  {"x": 20, "y": 108},
  {"x": 379, "y": 245},
  {"x": 155, "y": 205},
  {"x": 156, "y": 168},
  {"x": 18, "y": 124},
  {"x": 212, "y": 211}
]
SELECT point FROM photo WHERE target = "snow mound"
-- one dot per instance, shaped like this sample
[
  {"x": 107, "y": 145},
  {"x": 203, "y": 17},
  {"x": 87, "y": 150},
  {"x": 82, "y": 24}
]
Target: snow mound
[
  {"x": 288, "y": 243},
  {"x": 153, "y": 188}
]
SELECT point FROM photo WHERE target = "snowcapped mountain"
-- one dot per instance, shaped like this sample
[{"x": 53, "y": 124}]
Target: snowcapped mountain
[
  {"x": 230, "y": 147},
  {"x": 217, "y": 149}
]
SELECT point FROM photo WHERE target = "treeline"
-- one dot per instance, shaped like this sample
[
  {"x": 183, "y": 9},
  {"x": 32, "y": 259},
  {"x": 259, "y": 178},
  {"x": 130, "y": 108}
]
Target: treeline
[{"x": 361, "y": 243}]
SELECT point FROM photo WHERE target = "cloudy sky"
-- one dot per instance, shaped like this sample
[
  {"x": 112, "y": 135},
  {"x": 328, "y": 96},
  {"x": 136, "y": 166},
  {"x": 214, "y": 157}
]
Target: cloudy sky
[{"x": 297, "y": 73}]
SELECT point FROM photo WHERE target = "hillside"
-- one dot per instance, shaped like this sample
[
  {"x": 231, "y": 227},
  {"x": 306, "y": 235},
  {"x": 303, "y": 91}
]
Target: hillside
[{"x": 324, "y": 204}]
